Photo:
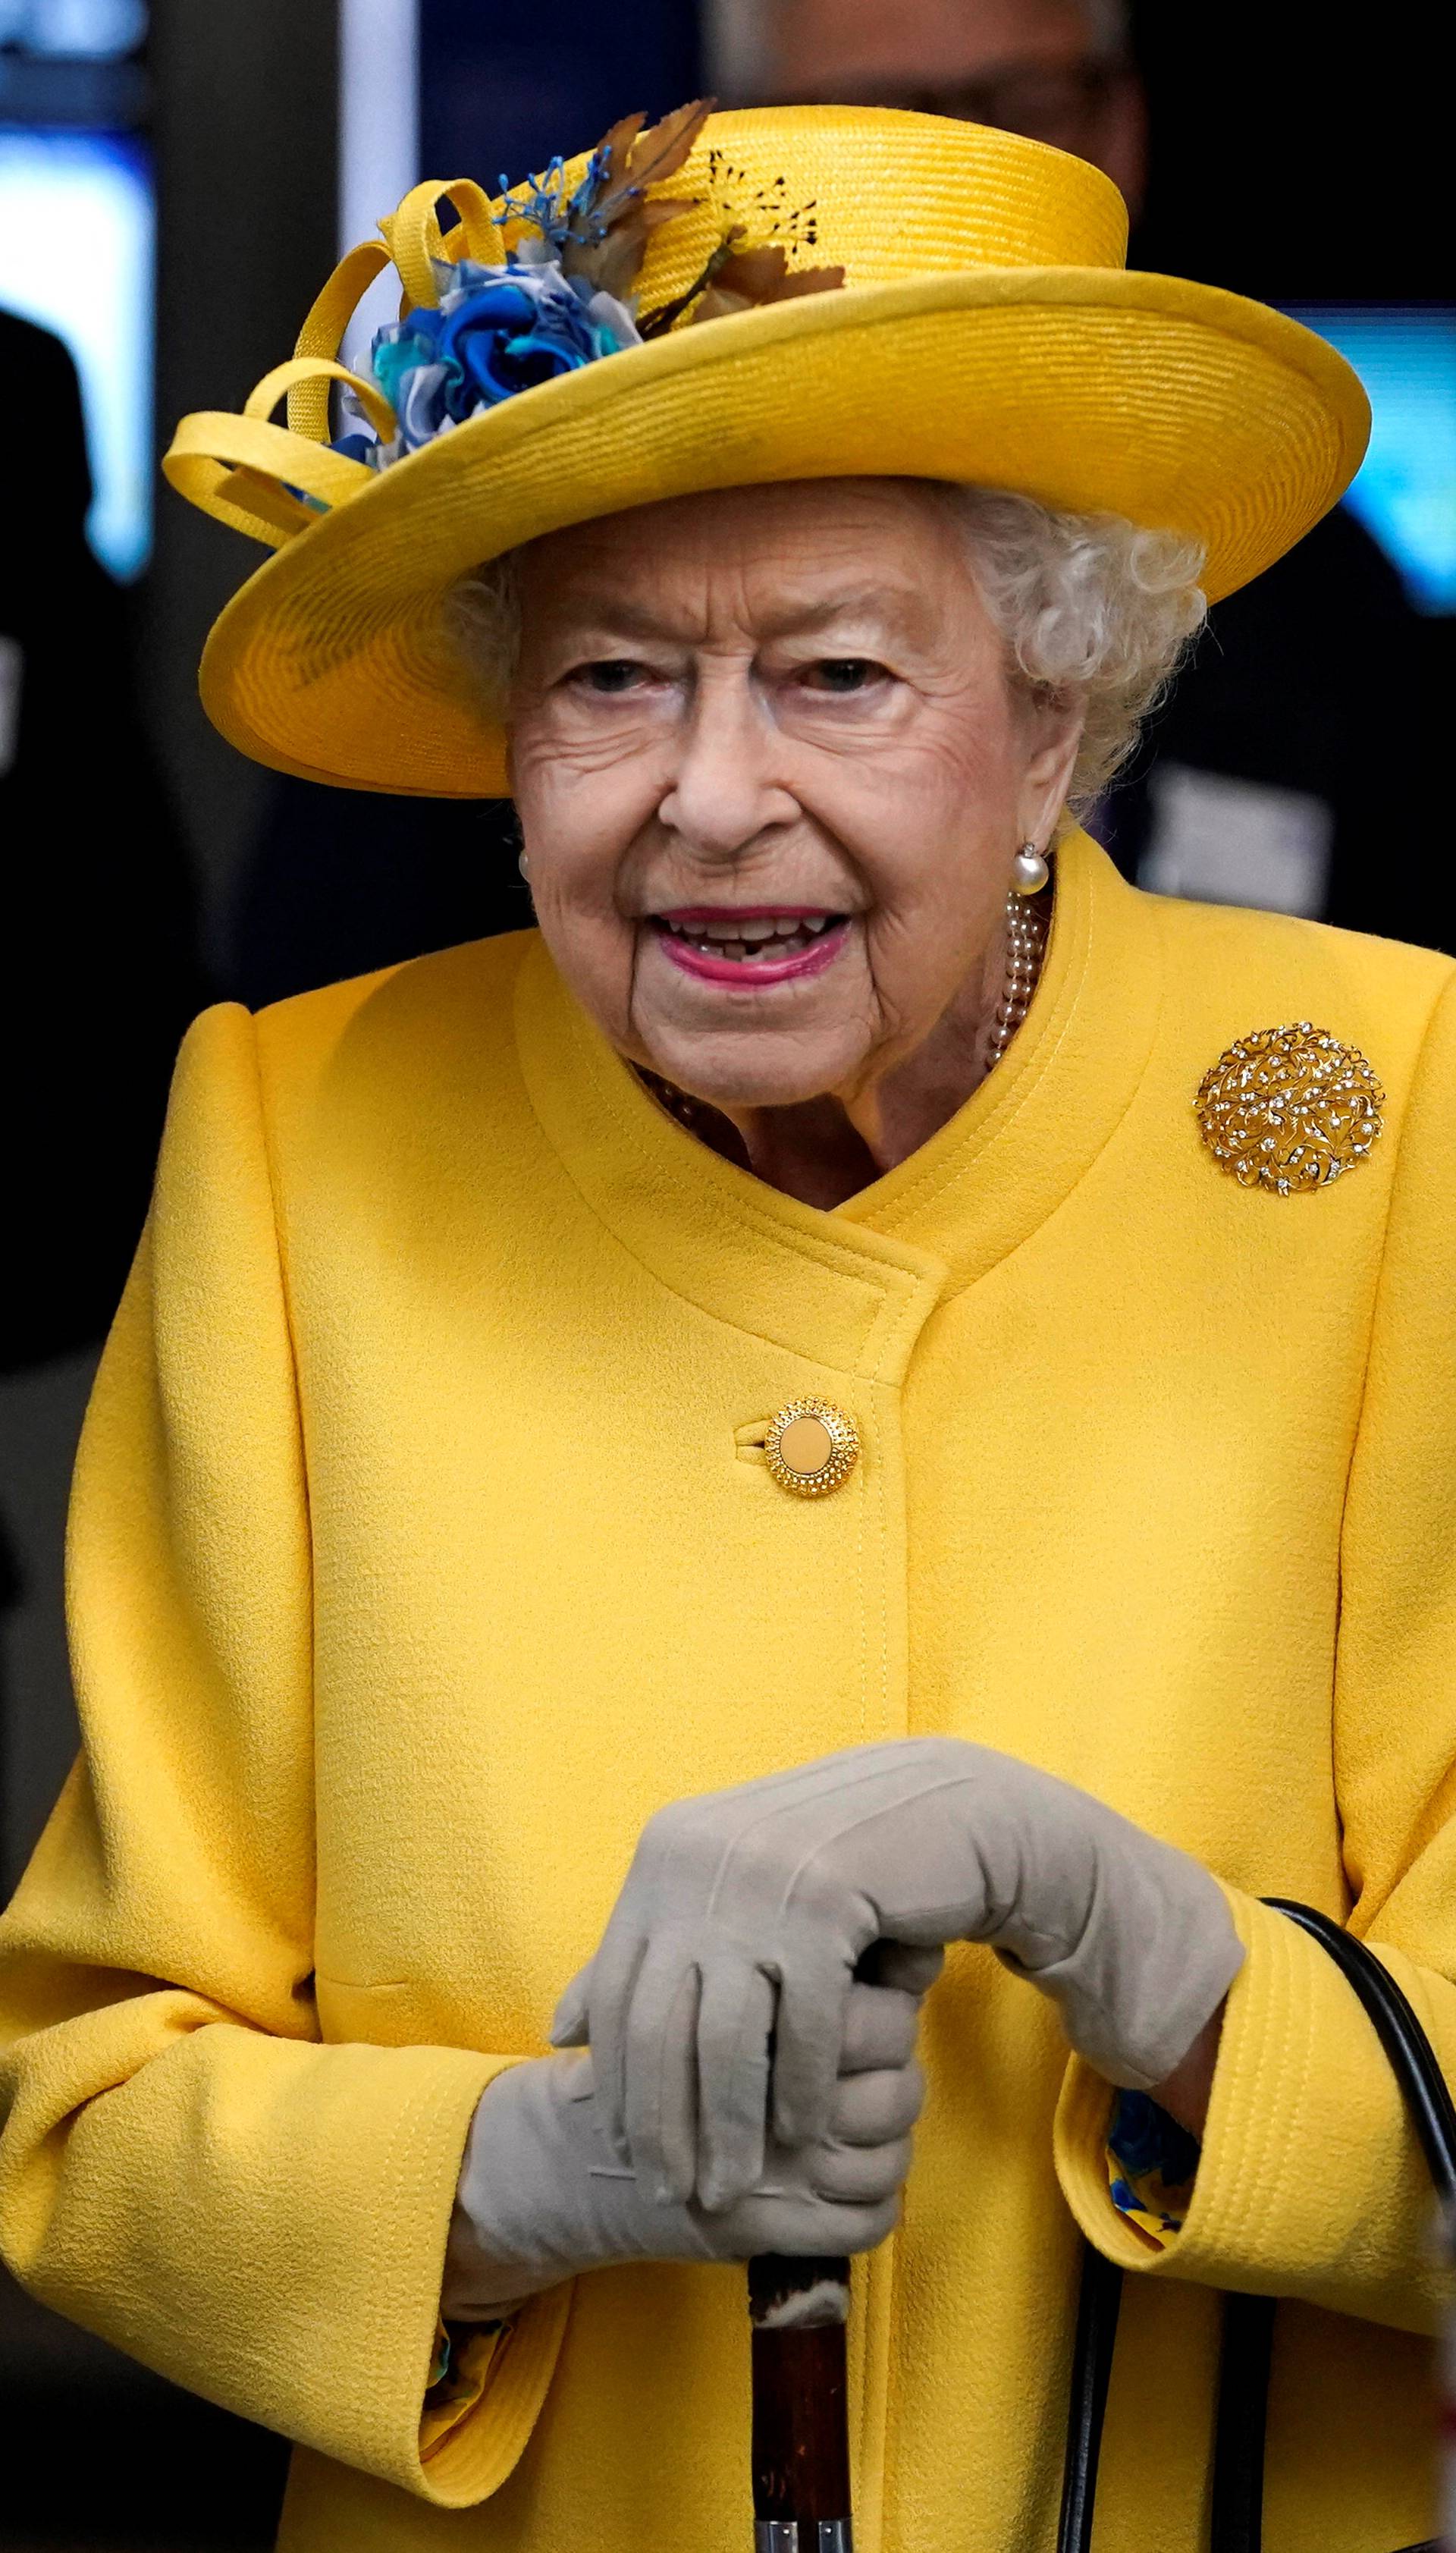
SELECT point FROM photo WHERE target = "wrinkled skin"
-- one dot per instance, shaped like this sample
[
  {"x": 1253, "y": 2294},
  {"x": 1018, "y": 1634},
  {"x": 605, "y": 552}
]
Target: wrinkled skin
[{"x": 788, "y": 696}]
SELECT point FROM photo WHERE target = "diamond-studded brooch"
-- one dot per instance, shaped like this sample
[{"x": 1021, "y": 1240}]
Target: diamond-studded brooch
[{"x": 1289, "y": 1108}]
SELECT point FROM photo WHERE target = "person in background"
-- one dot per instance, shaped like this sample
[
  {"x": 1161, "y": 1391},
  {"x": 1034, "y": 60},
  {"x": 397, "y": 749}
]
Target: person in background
[
  {"x": 1269, "y": 777},
  {"x": 104, "y": 966},
  {"x": 103, "y": 973}
]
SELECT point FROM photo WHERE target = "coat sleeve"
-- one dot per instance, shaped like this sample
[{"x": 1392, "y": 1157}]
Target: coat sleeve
[
  {"x": 185, "y": 2167},
  {"x": 1312, "y": 2184}
]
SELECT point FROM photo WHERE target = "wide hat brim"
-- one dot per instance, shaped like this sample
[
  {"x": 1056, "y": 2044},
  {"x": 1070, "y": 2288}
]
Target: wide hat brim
[{"x": 1180, "y": 406}]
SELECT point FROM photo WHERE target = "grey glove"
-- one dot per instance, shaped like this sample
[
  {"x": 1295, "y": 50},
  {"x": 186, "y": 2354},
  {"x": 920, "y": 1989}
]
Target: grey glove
[
  {"x": 714, "y": 2004},
  {"x": 541, "y": 2196}
]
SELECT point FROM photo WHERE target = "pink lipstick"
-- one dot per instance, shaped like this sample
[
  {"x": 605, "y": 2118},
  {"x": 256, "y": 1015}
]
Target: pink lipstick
[{"x": 751, "y": 944}]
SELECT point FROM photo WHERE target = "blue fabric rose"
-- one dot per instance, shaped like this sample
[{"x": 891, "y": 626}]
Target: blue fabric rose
[{"x": 497, "y": 331}]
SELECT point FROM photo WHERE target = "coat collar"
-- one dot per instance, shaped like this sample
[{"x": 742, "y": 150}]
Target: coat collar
[{"x": 851, "y": 1289}]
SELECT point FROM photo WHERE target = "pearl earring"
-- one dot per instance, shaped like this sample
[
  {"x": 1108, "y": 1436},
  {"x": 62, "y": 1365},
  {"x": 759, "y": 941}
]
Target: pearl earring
[
  {"x": 522, "y": 862},
  {"x": 1029, "y": 870}
]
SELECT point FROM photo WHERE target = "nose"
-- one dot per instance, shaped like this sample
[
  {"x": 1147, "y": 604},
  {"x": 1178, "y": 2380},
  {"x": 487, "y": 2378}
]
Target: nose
[{"x": 724, "y": 792}]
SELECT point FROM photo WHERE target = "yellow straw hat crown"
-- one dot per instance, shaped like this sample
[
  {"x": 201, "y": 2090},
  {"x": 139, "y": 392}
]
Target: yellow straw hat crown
[{"x": 985, "y": 331}]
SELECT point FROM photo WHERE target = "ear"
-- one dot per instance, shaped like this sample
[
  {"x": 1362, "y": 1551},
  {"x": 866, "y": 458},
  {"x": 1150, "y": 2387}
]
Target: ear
[{"x": 1055, "y": 738}]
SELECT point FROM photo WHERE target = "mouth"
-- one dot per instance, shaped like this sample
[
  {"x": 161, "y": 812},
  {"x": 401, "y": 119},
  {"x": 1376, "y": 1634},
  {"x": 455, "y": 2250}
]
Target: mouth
[{"x": 752, "y": 944}]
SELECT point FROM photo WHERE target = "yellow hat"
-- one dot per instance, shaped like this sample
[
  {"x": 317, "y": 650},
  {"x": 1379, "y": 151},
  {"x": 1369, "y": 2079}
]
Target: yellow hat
[{"x": 986, "y": 331}]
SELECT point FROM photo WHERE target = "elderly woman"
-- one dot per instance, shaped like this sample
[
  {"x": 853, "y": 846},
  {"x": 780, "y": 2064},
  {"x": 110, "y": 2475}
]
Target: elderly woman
[{"x": 841, "y": 1410}]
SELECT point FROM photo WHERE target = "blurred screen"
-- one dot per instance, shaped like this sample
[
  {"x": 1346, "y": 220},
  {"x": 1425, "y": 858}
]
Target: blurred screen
[
  {"x": 77, "y": 251},
  {"x": 1405, "y": 493},
  {"x": 73, "y": 30}
]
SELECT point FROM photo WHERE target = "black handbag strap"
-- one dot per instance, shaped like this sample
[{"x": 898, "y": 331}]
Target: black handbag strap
[
  {"x": 1098, "y": 2300},
  {"x": 1428, "y": 2095},
  {"x": 1237, "y": 2482}
]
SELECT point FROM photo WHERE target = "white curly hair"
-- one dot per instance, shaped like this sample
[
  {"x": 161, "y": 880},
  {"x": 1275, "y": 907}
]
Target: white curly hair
[{"x": 1092, "y": 611}]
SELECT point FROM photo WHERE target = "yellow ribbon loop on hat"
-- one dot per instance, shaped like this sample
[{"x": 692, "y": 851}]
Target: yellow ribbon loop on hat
[
  {"x": 322, "y": 333},
  {"x": 255, "y": 476},
  {"x": 301, "y": 372},
  {"x": 417, "y": 240},
  {"x": 235, "y": 496},
  {"x": 243, "y": 470}
]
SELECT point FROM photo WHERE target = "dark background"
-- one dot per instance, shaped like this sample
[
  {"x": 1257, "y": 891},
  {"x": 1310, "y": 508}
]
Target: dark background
[
  {"x": 1294, "y": 153},
  {"x": 490, "y": 85},
  {"x": 1290, "y": 160}
]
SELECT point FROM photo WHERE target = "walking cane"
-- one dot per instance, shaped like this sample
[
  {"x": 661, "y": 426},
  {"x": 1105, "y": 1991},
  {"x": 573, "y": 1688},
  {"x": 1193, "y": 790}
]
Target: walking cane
[{"x": 797, "y": 2311}]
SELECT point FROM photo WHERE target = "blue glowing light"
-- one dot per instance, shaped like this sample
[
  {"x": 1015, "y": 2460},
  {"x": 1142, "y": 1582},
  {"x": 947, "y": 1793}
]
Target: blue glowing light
[
  {"x": 1405, "y": 493},
  {"x": 76, "y": 254}
]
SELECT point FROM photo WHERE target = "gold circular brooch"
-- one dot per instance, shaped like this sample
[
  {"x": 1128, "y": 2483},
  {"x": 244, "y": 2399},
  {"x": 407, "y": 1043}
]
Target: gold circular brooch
[
  {"x": 810, "y": 1447},
  {"x": 1289, "y": 1108}
]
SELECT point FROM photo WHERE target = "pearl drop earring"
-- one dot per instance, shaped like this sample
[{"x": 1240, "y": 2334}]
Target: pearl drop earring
[
  {"x": 522, "y": 862},
  {"x": 1029, "y": 870}
]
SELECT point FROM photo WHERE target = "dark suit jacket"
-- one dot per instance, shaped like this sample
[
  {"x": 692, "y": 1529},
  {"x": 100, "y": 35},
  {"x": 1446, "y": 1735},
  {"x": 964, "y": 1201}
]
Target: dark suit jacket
[{"x": 101, "y": 967}]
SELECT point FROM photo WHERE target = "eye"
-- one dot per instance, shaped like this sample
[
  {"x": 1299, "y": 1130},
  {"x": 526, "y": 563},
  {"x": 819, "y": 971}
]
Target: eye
[
  {"x": 608, "y": 674},
  {"x": 841, "y": 675}
]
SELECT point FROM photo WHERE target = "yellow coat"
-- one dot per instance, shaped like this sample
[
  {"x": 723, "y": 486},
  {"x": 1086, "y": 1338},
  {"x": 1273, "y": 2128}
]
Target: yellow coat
[{"x": 423, "y": 1544}]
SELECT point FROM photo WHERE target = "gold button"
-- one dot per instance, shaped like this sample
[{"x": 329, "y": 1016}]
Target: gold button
[
  {"x": 810, "y": 1447},
  {"x": 805, "y": 1447}
]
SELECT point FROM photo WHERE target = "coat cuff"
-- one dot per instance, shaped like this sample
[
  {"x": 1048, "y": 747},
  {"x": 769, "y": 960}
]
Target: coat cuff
[
  {"x": 392, "y": 2339},
  {"x": 1309, "y": 2182},
  {"x": 475, "y": 2453}
]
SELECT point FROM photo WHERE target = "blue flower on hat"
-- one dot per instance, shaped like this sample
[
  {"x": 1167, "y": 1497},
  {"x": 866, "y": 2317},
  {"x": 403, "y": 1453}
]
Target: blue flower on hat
[
  {"x": 564, "y": 297},
  {"x": 499, "y": 330}
]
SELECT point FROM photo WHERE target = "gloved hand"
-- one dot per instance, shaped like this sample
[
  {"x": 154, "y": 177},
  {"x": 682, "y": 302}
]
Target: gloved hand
[
  {"x": 541, "y": 2196},
  {"x": 714, "y": 2004}
]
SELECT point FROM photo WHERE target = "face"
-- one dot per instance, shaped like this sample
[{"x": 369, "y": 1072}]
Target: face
[
  {"x": 771, "y": 776},
  {"x": 1025, "y": 65}
]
